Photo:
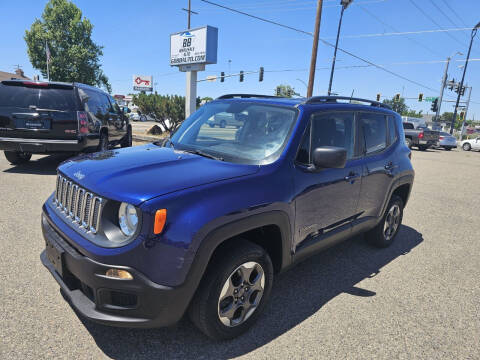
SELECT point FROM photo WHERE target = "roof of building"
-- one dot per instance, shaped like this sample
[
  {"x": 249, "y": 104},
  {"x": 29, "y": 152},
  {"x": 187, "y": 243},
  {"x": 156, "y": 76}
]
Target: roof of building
[{"x": 16, "y": 75}]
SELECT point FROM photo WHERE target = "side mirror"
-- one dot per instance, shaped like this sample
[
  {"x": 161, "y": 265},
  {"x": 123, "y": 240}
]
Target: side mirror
[{"x": 329, "y": 157}]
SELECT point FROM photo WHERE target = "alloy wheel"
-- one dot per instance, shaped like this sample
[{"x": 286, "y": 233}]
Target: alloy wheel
[
  {"x": 392, "y": 221},
  {"x": 241, "y": 294}
]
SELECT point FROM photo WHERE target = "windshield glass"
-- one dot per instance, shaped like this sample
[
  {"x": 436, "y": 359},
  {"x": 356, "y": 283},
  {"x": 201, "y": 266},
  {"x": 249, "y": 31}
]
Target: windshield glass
[{"x": 242, "y": 132}]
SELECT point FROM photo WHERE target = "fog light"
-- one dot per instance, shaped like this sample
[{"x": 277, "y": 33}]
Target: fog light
[{"x": 119, "y": 274}]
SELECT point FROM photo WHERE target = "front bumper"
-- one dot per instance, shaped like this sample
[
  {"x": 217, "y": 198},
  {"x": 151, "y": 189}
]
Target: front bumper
[
  {"x": 42, "y": 146},
  {"x": 127, "y": 303}
]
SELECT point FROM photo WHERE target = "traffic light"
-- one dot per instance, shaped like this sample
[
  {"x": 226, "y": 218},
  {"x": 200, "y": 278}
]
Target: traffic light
[
  {"x": 260, "y": 74},
  {"x": 222, "y": 76},
  {"x": 396, "y": 98},
  {"x": 456, "y": 88},
  {"x": 241, "y": 76},
  {"x": 462, "y": 115},
  {"x": 434, "y": 107},
  {"x": 420, "y": 97},
  {"x": 277, "y": 91},
  {"x": 462, "y": 91},
  {"x": 379, "y": 96}
]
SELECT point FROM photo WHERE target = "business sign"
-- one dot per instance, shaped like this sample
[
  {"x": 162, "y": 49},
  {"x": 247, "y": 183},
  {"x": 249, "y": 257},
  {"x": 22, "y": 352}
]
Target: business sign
[
  {"x": 142, "y": 82},
  {"x": 196, "y": 46}
]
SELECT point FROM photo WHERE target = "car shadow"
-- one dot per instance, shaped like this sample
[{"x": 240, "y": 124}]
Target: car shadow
[
  {"x": 297, "y": 294},
  {"x": 46, "y": 165}
]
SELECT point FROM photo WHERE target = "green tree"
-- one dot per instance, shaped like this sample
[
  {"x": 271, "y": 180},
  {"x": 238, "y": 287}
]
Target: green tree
[
  {"x": 74, "y": 56},
  {"x": 169, "y": 110},
  {"x": 284, "y": 90},
  {"x": 398, "y": 106},
  {"x": 412, "y": 113}
]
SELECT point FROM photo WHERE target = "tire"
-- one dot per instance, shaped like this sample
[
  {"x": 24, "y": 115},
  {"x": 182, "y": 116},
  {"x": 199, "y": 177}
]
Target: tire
[
  {"x": 223, "y": 124},
  {"x": 223, "y": 276},
  {"x": 127, "y": 139},
  {"x": 408, "y": 142},
  {"x": 103, "y": 141},
  {"x": 466, "y": 147},
  {"x": 378, "y": 236},
  {"x": 17, "y": 157},
  {"x": 211, "y": 125},
  {"x": 448, "y": 148},
  {"x": 422, "y": 148}
]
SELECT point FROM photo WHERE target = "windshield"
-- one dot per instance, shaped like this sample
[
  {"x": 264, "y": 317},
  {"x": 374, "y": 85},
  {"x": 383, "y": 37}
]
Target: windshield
[{"x": 241, "y": 132}]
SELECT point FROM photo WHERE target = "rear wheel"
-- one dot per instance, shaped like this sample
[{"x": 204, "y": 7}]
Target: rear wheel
[
  {"x": 448, "y": 148},
  {"x": 233, "y": 292},
  {"x": 127, "y": 139},
  {"x": 466, "y": 147},
  {"x": 103, "y": 142},
  {"x": 17, "y": 157},
  {"x": 384, "y": 233},
  {"x": 223, "y": 123},
  {"x": 423, "y": 148}
]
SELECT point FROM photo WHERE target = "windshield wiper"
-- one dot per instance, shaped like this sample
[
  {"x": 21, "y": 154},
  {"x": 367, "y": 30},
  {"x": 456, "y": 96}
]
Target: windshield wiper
[{"x": 204, "y": 154}]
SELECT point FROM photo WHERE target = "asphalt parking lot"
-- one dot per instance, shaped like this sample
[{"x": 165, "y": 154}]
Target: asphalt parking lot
[{"x": 419, "y": 298}]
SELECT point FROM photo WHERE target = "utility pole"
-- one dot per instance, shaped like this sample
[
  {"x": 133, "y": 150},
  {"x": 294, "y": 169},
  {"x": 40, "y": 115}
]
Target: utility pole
[
  {"x": 191, "y": 93},
  {"x": 466, "y": 112},
  {"x": 444, "y": 82},
  {"x": 313, "y": 62},
  {"x": 454, "y": 117}
]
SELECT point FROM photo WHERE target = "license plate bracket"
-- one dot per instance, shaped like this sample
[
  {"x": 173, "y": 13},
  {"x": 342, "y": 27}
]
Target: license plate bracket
[{"x": 55, "y": 255}]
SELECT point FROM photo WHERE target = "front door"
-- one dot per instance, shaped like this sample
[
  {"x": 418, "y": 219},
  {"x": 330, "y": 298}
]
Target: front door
[{"x": 326, "y": 199}]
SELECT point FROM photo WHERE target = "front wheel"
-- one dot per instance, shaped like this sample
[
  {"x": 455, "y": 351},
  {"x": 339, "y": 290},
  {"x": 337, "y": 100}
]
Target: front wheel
[
  {"x": 223, "y": 124},
  {"x": 233, "y": 292},
  {"x": 408, "y": 142},
  {"x": 466, "y": 147},
  {"x": 103, "y": 142},
  {"x": 17, "y": 157},
  {"x": 384, "y": 233},
  {"x": 448, "y": 148}
]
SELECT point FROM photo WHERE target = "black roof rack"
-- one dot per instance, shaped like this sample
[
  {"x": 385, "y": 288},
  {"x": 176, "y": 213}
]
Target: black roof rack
[
  {"x": 333, "y": 99},
  {"x": 246, "y": 96}
]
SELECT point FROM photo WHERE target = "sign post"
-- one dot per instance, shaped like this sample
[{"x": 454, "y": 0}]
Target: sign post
[{"x": 190, "y": 51}]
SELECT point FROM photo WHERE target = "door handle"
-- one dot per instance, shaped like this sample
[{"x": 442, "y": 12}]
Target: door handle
[
  {"x": 389, "y": 166},
  {"x": 351, "y": 176}
]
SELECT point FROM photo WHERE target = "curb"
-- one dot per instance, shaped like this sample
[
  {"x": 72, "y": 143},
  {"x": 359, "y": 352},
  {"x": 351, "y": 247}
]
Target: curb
[{"x": 145, "y": 138}]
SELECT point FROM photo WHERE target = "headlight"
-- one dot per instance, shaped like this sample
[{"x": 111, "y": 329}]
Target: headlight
[{"x": 127, "y": 219}]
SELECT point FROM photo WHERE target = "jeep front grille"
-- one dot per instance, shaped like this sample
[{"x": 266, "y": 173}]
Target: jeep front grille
[{"x": 77, "y": 204}]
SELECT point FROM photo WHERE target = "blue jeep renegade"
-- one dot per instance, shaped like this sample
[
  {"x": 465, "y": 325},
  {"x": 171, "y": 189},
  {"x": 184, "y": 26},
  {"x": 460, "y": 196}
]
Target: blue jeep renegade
[{"x": 201, "y": 223}]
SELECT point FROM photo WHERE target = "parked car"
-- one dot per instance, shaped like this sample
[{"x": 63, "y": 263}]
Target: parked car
[
  {"x": 224, "y": 119},
  {"x": 447, "y": 141},
  {"x": 421, "y": 137},
  {"x": 471, "y": 144},
  {"x": 51, "y": 117},
  {"x": 138, "y": 117},
  {"x": 202, "y": 223}
]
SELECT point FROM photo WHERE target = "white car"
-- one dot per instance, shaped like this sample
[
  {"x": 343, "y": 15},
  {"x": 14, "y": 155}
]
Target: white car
[{"x": 471, "y": 144}]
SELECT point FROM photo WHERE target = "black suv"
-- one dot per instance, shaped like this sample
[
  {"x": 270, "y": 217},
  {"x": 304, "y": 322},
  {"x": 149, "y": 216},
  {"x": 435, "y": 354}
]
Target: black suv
[{"x": 50, "y": 117}]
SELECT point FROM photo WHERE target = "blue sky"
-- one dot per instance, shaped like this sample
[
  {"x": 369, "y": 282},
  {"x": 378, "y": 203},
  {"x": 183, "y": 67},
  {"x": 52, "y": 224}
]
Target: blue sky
[{"x": 135, "y": 36}]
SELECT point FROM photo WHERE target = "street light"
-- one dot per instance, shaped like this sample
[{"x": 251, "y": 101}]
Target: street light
[
  {"x": 344, "y": 4},
  {"x": 474, "y": 33}
]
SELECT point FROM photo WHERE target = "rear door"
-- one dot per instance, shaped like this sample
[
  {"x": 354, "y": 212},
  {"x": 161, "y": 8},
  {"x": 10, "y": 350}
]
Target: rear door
[
  {"x": 38, "y": 110},
  {"x": 116, "y": 119},
  {"x": 379, "y": 160}
]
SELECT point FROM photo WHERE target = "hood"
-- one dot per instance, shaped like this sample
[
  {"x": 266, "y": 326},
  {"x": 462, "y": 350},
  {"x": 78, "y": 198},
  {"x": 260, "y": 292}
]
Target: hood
[{"x": 140, "y": 173}]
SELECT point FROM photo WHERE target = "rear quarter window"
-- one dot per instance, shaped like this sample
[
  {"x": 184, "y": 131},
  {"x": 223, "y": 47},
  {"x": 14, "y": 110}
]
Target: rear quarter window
[{"x": 24, "y": 97}]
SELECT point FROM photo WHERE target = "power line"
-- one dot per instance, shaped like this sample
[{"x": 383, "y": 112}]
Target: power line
[
  {"x": 404, "y": 33},
  {"x": 443, "y": 13},
  {"x": 455, "y": 13},
  {"x": 323, "y": 41},
  {"x": 433, "y": 20},
  {"x": 394, "y": 29}
]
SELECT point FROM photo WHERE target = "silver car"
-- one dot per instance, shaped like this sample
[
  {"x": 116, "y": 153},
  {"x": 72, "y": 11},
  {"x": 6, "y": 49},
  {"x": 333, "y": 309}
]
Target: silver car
[{"x": 447, "y": 141}]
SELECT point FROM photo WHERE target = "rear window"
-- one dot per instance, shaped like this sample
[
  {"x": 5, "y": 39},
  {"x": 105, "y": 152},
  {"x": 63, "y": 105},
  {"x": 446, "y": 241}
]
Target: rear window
[
  {"x": 408, "y": 126},
  {"x": 23, "y": 97}
]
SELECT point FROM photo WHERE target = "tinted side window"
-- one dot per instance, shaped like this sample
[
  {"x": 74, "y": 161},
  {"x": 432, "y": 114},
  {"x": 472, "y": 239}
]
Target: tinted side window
[
  {"x": 374, "y": 131},
  {"x": 303, "y": 155},
  {"x": 23, "y": 97},
  {"x": 392, "y": 130},
  {"x": 333, "y": 129}
]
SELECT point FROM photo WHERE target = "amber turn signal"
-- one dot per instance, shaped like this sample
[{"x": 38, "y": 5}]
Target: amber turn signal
[
  {"x": 160, "y": 219},
  {"x": 119, "y": 274}
]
